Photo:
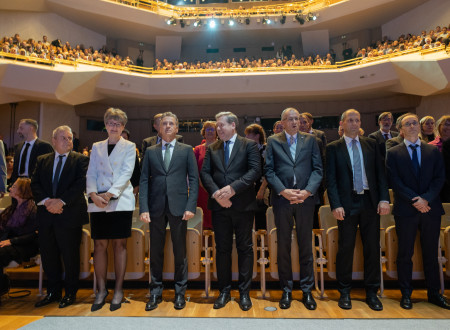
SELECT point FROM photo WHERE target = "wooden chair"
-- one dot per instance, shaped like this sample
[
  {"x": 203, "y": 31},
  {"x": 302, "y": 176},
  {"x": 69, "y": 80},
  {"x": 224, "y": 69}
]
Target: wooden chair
[
  {"x": 85, "y": 254},
  {"x": 417, "y": 271}
]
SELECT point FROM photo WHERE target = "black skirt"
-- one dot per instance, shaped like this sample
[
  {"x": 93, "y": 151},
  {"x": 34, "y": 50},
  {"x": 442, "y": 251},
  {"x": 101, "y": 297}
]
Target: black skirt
[{"x": 111, "y": 225}]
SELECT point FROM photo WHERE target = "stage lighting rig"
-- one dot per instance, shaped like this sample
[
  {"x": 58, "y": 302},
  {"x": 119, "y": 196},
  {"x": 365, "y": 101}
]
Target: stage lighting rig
[
  {"x": 212, "y": 23},
  {"x": 198, "y": 23},
  {"x": 171, "y": 21},
  {"x": 283, "y": 19},
  {"x": 182, "y": 23},
  {"x": 247, "y": 20},
  {"x": 300, "y": 19},
  {"x": 231, "y": 22},
  {"x": 266, "y": 20}
]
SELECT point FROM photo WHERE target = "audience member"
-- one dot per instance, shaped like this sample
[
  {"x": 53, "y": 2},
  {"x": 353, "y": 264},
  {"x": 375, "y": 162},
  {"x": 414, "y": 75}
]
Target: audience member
[
  {"x": 209, "y": 133},
  {"x": 58, "y": 186},
  {"x": 256, "y": 133},
  {"x": 278, "y": 127},
  {"x": 27, "y": 152},
  {"x": 111, "y": 204},
  {"x": 427, "y": 127},
  {"x": 18, "y": 236},
  {"x": 357, "y": 198},
  {"x": 169, "y": 191},
  {"x": 294, "y": 171},
  {"x": 9, "y": 169},
  {"x": 385, "y": 121},
  {"x": 152, "y": 140},
  {"x": 442, "y": 131},
  {"x": 416, "y": 173},
  {"x": 230, "y": 169},
  {"x": 318, "y": 133}
]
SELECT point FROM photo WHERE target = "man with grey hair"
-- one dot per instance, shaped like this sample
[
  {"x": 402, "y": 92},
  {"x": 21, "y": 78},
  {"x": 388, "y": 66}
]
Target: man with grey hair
[
  {"x": 230, "y": 169},
  {"x": 58, "y": 186},
  {"x": 27, "y": 152},
  {"x": 358, "y": 194},
  {"x": 294, "y": 172}
]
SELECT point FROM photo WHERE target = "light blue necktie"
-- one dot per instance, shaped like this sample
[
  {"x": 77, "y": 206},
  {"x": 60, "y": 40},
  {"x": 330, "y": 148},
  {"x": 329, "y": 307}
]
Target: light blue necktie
[
  {"x": 357, "y": 169},
  {"x": 167, "y": 156},
  {"x": 292, "y": 146}
]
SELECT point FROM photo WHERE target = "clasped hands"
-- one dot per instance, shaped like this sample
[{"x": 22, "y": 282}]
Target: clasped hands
[
  {"x": 295, "y": 196},
  {"x": 145, "y": 216},
  {"x": 421, "y": 204},
  {"x": 222, "y": 196},
  {"x": 101, "y": 200},
  {"x": 382, "y": 209},
  {"x": 54, "y": 205}
]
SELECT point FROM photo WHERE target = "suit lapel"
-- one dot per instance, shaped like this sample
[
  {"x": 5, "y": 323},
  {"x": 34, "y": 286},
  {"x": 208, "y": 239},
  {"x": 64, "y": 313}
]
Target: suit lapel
[
  {"x": 285, "y": 145},
  {"x": 408, "y": 161},
  {"x": 67, "y": 167},
  {"x": 159, "y": 155},
  {"x": 176, "y": 149},
  {"x": 344, "y": 151},
  {"x": 365, "y": 152},
  {"x": 300, "y": 142},
  {"x": 220, "y": 150},
  {"x": 106, "y": 161},
  {"x": 234, "y": 151}
]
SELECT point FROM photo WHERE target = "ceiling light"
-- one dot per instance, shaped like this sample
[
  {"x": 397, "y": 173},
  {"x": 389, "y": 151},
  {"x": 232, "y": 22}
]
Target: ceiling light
[
  {"x": 231, "y": 22},
  {"x": 283, "y": 19},
  {"x": 171, "y": 21},
  {"x": 198, "y": 23},
  {"x": 212, "y": 24},
  {"x": 300, "y": 19},
  {"x": 266, "y": 20}
]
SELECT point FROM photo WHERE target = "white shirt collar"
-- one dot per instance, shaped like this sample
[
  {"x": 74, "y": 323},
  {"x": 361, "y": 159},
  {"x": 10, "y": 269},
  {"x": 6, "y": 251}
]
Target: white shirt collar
[
  {"x": 30, "y": 142},
  {"x": 172, "y": 143},
  {"x": 408, "y": 143},
  {"x": 233, "y": 138},
  {"x": 288, "y": 136},
  {"x": 348, "y": 140}
]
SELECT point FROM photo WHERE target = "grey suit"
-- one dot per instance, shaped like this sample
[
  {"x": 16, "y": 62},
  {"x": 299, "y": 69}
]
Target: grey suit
[
  {"x": 321, "y": 135},
  {"x": 166, "y": 196},
  {"x": 280, "y": 169},
  {"x": 2, "y": 169}
]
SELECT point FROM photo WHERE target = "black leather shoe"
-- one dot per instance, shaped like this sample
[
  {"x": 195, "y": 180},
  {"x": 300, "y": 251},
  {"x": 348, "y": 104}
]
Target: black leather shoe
[
  {"x": 308, "y": 301},
  {"x": 67, "y": 300},
  {"x": 286, "y": 299},
  {"x": 179, "y": 302},
  {"x": 245, "y": 302},
  {"x": 222, "y": 300},
  {"x": 153, "y": 302},
  {"x": 439, "y": 300},
  {"x": 374, "y": 303},
  {"x": 406, "y": 302},
  {"x": 96, "y": 307},
  {"x": 48, "y": 299},
  {"x": 344, "y": 301}
]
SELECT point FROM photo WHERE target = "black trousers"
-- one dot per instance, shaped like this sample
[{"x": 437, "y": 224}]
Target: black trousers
[
  {"x": 178, "y": 229},
  {"x": 303, "y": 215},
  {"x": 365, "y": 215},
  {"x": 429, "y": 228},
  {"x": 225, "y": 223},
  {"x": 58, "y": 243}
]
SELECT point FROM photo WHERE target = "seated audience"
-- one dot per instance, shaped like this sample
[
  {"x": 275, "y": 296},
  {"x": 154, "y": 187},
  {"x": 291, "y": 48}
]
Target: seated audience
[{"x": 18, "y": 237}]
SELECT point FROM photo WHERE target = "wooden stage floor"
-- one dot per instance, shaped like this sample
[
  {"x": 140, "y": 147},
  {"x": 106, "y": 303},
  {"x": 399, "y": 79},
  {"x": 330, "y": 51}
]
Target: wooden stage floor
[{"x": 16, "y": 312}]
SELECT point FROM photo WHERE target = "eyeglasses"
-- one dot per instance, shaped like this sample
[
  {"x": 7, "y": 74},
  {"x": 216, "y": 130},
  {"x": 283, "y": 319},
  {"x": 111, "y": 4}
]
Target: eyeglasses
[
  {"x": 210, "y": 129},
  {"x": 116, "y": 125},
  {"x": 411, "y": 123}
]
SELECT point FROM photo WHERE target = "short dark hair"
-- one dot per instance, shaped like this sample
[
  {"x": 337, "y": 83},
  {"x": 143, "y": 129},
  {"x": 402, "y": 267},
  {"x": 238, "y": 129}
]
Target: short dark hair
[
  {"x": 384, "y": 115},
  {"x": 256, "y": 129},
  {"x": 400, "y": 119}
]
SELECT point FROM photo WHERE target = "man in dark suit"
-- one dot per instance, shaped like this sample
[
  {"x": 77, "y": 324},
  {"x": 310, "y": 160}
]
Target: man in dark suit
[
  {"x": 166, "y": 197},
  {"x": 3, "y": 171},
  {"x": 395, "y": 140},
  {"x": 230, "y": 169},
  {"x": 385, "y": 121},
  {"x": 318, "y": 133},
  {"x": 358, "y": 194},
  {"x": 153, "y": 140},
  {"x": 58, "y": 184},
  {"x": 27, "y": 152},
  {"x": 293, "y": 170},
  {"x": 416, "y": 173}
]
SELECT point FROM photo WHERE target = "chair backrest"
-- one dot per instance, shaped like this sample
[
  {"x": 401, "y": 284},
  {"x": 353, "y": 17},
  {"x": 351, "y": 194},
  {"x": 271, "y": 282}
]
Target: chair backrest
[
  {"x": 326, "y": 221},
  {"x": 332, "y": 248},
  {"x": 270, "y": 219},
  {"x": 445, "y": 219},
  {"x": 5, "y": 201},
  {"x": 392, "y": 251},
  {"x": 273, "y": 250},
  {"x": 391, "y": 196},
  {"x": 326, "y": 201},
  {"x": 85, "y": 254},
  {"x": 135, "y": 256},
  {"x": 446, "y": 245},
  {"x": 385, "y": 222},
  {"x": 193, "y": 255}
]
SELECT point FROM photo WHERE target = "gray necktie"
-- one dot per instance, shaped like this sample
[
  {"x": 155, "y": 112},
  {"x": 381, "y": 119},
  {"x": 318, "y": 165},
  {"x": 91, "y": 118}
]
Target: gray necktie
[
  {"x": 167, "y": 156},
  {"x": 357, "y": 168}
]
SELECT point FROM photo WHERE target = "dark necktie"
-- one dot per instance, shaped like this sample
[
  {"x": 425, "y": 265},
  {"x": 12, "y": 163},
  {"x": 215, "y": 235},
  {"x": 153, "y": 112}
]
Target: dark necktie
[
  {"x": 386, "y": 136},
  {"x": 415, "y": 159},
  {"x": 57, "y": 173},
  {"x": 23, "y": 160},
  {"x": 227, "y": 152},
  {"x": 167, "y": 156}
]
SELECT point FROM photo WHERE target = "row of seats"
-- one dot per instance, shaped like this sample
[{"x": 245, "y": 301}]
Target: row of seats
[{"x": 265, "y": 252}]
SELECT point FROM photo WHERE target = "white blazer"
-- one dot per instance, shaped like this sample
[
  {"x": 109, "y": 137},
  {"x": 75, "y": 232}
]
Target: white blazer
[{"x": 112, "y": 174}]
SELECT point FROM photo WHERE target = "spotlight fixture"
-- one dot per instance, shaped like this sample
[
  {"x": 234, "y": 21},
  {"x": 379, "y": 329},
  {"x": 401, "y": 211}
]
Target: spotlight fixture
[
  {"x": 182, "y": 24},
  {"x": 300, "y": 19},
  {"x": 212, "y": 23},
  {"x": 171, "y": 21},
  {"x": 231, "y": 22},
  {"x": 198, "y": 23},
  {"x": 266, "y": 20},
  {"x": 312, "y": 17},
  {"x": 247, "y": 20},
  {"x": 283, "y": 19}
]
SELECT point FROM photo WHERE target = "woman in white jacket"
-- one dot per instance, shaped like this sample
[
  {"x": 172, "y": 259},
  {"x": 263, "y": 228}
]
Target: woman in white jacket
[{"x": 111, "y": 204}]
